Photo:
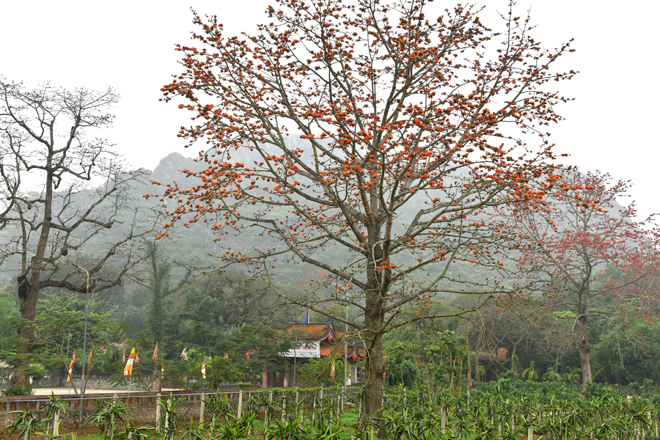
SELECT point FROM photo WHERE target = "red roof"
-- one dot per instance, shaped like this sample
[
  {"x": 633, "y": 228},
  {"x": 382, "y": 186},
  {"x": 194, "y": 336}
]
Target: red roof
[
  {"x": 330, "y": 339},
  {"x": 309, "y": 328}
]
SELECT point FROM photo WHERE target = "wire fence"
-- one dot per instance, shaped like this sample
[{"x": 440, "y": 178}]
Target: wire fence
[{"x": 146, "y": 399}]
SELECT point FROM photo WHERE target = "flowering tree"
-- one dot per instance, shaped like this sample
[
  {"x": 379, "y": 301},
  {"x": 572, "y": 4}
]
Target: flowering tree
[
  {"x": 584, "y": 255},
  {"x": 405, "y": 131}
]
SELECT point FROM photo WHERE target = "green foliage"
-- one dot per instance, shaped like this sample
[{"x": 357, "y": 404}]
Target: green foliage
[
  {"x": 194, "y": 431},
  {"x": 55, "y": 408},
  {"x": 108, "y": 416},
  {"x": 631, "y": 356},
  {"x": 171, "y": 419},
  {"x": 17, "y": 390},
  {"x": 235, "y": 428},
  {"x": 551, "y": 374},
  {"x": 131, "y": 432},
  {"x": 10, "y": 320},
  {"x": 316, "y": 372},
  {"x": 572, "y": 375},
  {"x": 530, "y": 373},
  {"x": 509, "y": 404},
  {"x": 60, "y": 323},
  {"x": 286, "y": 430},
  {"x": 25, "y": 422}
]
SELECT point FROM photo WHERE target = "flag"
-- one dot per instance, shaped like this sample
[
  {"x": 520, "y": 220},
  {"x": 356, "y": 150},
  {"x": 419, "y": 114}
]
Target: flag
[
  {"x": 162, "y": 371},
  {"x": 226, "y": 355},
  {"x": 123, "y": 359},
  {"x": 307, "y": 317},
  {"x": 155, "y": 356},
  {"x": 204, "y": 368},
  {"x": 332, "y": 371},
  {"x": 105, "y": 350},
  {"x": 128, "y": 369},
  {"x": 73, "y": 359},
  {"x": 184, "y": 353},
  {"x": 137, "y": 356},
  {"x": 89, "y": 361}
]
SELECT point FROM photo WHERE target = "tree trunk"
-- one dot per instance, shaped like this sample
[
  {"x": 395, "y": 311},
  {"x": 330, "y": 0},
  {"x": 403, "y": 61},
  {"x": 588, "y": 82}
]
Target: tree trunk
[
  {"x": 28, "y": 292},
  {"x": 374, "y": 365},
  {"x": 584, "y": 348},
  {"x": 373, "y": 387},
  {"x": 26, "y": 332}
]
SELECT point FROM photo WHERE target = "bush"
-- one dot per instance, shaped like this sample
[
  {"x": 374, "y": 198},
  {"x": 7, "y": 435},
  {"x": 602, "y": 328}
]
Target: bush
[
  {"x": 244, "y": 384},
  {"x": 17, "y": 391}
]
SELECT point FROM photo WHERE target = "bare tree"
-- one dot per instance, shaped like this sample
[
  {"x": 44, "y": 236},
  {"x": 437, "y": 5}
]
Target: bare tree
[{"x": 62, "y": 191}]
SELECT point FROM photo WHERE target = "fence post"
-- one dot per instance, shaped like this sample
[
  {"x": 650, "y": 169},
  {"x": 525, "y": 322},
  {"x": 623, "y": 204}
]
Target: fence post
[
  {"x": 56, "y": 421},
  {"x": 269, "y": 408},
  {"x": 302, "y": 412},
  {"x": 313, "y": 406},
  {"x": 202, "y": 408},
  {"x": 239, "y": 411},
  {"x": 158, "y": 412},
  {"x": 167, "y": 416},
  {"x": 443, "y": 421},
  {"x": 321, "y": 405},
  {"x": 359, "y": 410}
]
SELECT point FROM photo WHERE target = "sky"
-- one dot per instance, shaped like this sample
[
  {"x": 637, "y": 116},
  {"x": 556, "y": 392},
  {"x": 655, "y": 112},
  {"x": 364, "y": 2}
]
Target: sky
[{"x": 130, "y": 46}]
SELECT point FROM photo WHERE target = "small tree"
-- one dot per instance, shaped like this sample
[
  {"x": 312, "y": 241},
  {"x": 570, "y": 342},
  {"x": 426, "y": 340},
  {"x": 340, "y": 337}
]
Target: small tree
[
  {"x": 586, "y": 255},
  {"x": 50, "y": 219},
  {"x": 402, "y": 120}
]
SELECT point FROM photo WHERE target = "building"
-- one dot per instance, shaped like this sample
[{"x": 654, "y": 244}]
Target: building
[{"x": 317, "y": 341}]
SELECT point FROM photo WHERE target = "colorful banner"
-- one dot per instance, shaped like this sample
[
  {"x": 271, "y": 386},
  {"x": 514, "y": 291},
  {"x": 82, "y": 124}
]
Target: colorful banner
[{"x": 128, "y": 369}]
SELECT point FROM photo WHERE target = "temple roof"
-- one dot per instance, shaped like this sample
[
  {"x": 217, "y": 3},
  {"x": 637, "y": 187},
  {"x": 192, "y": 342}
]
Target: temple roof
[{"x": 328, "y": 337}]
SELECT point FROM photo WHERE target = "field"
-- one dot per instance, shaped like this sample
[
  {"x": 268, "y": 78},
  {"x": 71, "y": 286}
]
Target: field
[{"x": 506, "y": 409}]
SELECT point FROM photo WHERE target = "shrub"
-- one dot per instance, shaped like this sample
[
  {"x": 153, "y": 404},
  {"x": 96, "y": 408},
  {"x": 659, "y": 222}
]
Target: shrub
[{"x": 17, "y": 390}]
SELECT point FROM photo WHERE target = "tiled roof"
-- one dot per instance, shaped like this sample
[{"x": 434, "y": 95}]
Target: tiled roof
[
  {"x": 330, "y": 339},
  {"x": 309, "y": 328}
]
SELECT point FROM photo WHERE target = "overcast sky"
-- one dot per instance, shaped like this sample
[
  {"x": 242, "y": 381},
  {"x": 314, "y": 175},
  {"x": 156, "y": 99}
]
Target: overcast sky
[{"x": 130, "y": 46}]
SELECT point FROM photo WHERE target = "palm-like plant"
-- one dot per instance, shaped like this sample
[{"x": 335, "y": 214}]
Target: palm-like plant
[
  {"x": 107, "y": 416},
  {"x": 194, "y": 431},
  {"x": 572, "y": 375},
  {"x": 530, "y": 373},
  {"x": 551, "y": 374},
  {"x": 26, "y": 422},
  {"x": 235, "y": 428},
  {"x": 54, "y": 409},
  {"x": 515, "y": 363},
  {"x": 171, "y": 418},
  {"x": 131, "y": 432}
]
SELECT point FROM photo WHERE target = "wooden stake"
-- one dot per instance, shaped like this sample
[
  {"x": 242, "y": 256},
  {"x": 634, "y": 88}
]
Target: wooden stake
[
  {"x": 469, "y": 365},
  {"x": 202, "y": 406}
]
